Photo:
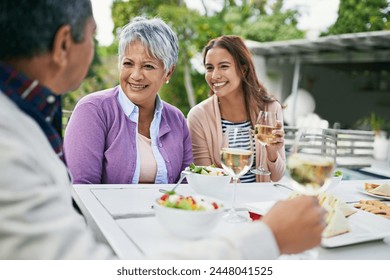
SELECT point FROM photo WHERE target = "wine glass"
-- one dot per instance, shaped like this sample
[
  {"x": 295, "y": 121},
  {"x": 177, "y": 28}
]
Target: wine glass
[
  {"x": 310, "y": 166},
  {"x": 312, "y": 160},
  {"x": 237, "y": 158},
  {"x": 265, "y": 124}
]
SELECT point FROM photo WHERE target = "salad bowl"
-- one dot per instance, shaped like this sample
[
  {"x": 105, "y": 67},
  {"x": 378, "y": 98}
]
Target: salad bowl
[
  {"x": 208, "y": 180},
  {"x": 188, "y": 217}
]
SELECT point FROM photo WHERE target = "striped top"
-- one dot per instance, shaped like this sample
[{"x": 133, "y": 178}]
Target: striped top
[{"x": 249, "y": 177}]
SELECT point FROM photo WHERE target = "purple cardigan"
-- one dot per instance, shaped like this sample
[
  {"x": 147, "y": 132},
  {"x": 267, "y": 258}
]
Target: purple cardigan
[{"x": 99, "y": 142}]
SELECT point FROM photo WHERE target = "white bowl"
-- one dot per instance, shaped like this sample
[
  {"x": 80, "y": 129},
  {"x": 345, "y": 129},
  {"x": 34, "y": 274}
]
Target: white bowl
[
  {"x": 209, "y": 185},
  {"x": 188, "y": 224}
]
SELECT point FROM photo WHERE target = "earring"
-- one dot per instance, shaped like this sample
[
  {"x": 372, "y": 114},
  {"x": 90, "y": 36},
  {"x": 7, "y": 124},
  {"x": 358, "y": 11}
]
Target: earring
[{"x": 167, "y": 82}]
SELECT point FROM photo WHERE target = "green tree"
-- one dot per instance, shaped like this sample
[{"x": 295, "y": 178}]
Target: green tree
[
  {"x": 123, "y": 11},
  {"x": 251, "y": 20},
  {"x": 361, "y": 16},
  {"x": 277, "y": 25}
]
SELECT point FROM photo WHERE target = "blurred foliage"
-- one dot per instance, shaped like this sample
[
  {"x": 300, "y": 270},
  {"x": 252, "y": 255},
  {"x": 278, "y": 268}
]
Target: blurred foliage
[
  {"x": 277, "y": 26},
  {"x": 260, "y": 20},
  {"x": 373, "y": 122},
  {"x": 361, "y": 16}
]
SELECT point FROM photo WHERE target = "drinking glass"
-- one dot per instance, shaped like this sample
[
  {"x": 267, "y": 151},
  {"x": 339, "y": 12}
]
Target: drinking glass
[
  {"x": 312, "y": 160},
  {"x": 266, "y": 122},
  {"x": 237, "y": 158},
  {"x": 310, "y": 167}
]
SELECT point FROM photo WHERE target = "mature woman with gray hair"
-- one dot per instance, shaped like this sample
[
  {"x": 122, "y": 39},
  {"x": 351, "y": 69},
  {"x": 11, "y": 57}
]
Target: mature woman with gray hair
[{"x": 127, "y": 134}]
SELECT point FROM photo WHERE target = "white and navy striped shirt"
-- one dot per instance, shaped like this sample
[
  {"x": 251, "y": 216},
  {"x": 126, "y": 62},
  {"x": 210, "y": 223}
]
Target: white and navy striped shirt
[{"x": 249, "y": 177}]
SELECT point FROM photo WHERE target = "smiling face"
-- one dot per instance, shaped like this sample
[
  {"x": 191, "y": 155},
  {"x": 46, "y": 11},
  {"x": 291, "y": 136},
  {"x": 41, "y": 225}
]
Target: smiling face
[
  {"x": 221, "y": 73},
  {"x": 141, "y": 75}
]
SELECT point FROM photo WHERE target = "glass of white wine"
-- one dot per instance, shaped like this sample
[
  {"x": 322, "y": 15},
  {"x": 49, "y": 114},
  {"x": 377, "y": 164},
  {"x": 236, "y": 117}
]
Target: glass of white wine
[
  {"x": 310, "y": 166},
  {"x": 312, "y": 160},
  {"x": 237, "y": 158},
  {"x": 265, "y": 124}
]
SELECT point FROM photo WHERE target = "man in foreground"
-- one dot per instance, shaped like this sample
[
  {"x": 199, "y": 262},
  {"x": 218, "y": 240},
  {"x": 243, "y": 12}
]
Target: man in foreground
[{"x": 46, "y": 51}]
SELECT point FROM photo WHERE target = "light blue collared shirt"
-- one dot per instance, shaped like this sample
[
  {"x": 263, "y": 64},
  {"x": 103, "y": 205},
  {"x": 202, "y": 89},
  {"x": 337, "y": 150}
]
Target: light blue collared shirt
[{"x": 132, "y": 112}]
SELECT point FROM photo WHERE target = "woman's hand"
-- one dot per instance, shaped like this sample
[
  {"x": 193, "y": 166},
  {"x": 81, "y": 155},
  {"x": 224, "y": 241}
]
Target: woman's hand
[{"x": 277, "y": 143}]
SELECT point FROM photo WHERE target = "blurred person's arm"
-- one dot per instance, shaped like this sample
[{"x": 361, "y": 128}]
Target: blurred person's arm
[{"x": 251, "y": 241}]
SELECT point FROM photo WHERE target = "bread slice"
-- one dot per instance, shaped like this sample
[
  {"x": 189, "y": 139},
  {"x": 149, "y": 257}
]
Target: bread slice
[
  {"x": 337, "y": 224},
  {"x": 370, "y": 186},
  {"x": 383, "y": 189},
  {"x": 329, "y": 201}
]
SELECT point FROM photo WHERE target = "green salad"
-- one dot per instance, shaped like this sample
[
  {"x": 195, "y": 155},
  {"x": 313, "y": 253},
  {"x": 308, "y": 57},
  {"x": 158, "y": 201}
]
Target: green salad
[
  {"x": 207, "y": 170},
  {"x": 337, "y": 173}
]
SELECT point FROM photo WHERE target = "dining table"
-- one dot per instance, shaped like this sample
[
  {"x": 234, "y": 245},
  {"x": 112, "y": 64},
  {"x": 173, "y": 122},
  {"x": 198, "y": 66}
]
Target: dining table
[{"x": 123, "y": 217}]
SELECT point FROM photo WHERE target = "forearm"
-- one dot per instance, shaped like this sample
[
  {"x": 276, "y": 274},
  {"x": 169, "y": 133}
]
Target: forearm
[
  {"x": 277, "y": 168},
  {"x": 252, "y": 241}
]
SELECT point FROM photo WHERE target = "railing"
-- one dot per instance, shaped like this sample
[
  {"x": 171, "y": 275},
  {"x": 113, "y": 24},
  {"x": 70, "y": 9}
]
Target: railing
[{"x": 352, "y": 145}]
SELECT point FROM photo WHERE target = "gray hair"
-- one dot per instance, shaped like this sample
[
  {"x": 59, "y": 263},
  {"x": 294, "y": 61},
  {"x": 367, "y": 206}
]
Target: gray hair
[
  {"x": 28, "y": 28},
  {"x": 155, "y": 35}
]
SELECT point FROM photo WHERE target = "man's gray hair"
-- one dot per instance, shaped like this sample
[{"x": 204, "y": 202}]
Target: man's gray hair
[{"x": 155, "y": 35}]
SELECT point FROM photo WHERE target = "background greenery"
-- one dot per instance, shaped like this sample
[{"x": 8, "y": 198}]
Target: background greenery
[{"x": 259, "y": 20}]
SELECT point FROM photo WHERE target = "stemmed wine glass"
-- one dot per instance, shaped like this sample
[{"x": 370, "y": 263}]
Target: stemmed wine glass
[
  {"x": 237, "y": 158},
  {"x": 266, "y": 122},
  {"x": 312, "y": 160},
  {"x": 310, "y": 166}
]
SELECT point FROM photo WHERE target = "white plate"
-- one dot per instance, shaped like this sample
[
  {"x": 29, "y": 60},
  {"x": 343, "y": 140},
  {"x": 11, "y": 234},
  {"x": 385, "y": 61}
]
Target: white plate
[
  {"x": 365, "y": 226},
  {"x": 362, "y": 190}
]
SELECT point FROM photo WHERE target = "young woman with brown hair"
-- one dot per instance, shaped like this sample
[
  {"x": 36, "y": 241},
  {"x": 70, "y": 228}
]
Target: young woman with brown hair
[{"x": 236, "y": 98}]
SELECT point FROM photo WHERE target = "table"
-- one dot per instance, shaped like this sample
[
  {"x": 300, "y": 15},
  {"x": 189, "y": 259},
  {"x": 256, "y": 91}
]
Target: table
[
  {"x": 122, "y": 216},
  {"x": 378, "y": 167}
]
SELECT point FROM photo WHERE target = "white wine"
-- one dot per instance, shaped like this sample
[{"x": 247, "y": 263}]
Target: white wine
[
  {"x": 310, "y": 171},
  {"x": 236, "y": 161},
  {"x": 264, "y": 133}
]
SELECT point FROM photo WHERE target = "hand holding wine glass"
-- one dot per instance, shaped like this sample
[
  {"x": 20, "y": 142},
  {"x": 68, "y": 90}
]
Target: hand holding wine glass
[
  {"x": 310, "y": 165},
  {"x": 237, "y": 158},
  {"x": 265, "y": 125}
]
